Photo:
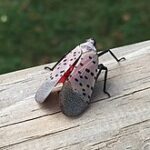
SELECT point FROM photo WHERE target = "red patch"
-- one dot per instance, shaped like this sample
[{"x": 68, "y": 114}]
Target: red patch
[{"x": 66, "y": 75}]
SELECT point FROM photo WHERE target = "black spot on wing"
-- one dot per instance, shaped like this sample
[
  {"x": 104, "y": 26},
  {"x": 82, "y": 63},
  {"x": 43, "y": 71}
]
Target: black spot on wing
[
  {"x": 84, "y": 94},
  {"x": 89, "y": 96},
  {"x": 79, "y": 72},
  {"x": 76, "y": 80},
  {"x": 85, "y": 77},
  {"x": 80, "y": 84},
  {"x": 56, "y": 75},
  {"x": 51, "y": 78},
  {"x": 87, "y": 70},
  {"x": 92, "y": 74},
  {"x": 62, "y": 71},
  {"x": 64, "y": 60},
  {"x": 88, "y": 85},
  {"x": 94, "y": 62},
  {"x": 74, "y": 53},
  {"x": 81, "y": 64},
  {"x": 83, "y": 90},
  {"x": 81, "y": 76},
  {"x": 90, "y": 57}
]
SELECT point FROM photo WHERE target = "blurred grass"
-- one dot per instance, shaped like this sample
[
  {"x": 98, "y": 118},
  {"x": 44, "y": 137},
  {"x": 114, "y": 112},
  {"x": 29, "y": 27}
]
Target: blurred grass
[{"x": 34, "y": 32}]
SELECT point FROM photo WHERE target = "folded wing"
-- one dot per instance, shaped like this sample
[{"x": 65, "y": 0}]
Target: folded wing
[{"x": 55, "y": 75}]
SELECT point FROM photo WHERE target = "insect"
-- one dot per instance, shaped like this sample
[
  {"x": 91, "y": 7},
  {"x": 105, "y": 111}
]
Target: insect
[{"x": 77, "y": 71}]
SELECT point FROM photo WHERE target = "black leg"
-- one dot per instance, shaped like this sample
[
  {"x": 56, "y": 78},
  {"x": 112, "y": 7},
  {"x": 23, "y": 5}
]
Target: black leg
[
  {"x": 106, "y": 51},
  {"x": 48, "y": 68},
  {"x": 51, "y": 69},
  {"x": 102, "y": 67}
]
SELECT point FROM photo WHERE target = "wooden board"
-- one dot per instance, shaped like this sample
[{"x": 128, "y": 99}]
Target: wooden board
[{"x": 117, "y": 123}]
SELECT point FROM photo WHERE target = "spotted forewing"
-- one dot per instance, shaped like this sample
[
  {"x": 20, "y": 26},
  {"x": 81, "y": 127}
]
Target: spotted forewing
[
  {"x": 83, "y": 77},
  {"x": 55, "y": 75}
]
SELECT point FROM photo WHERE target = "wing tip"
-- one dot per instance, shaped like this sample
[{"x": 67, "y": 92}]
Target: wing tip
[{"x": 38, "y": 98}]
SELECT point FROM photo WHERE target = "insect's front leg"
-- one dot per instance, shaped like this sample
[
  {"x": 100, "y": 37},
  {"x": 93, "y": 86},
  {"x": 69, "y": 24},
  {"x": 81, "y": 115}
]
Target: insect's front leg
[
  {"x": 106, "y": 51},
  {"x": 102, "y": 67},
  {"x": 48, "y": 68},
  {"x": 51, "y": 69}
]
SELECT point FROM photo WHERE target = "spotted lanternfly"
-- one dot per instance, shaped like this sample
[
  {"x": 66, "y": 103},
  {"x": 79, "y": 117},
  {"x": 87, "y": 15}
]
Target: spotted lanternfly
[{"x": 77, "y": 71}]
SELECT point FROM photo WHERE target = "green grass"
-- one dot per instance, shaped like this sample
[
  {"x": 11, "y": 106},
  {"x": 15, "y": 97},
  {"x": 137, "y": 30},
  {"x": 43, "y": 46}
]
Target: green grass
[{"x": 34, "y": 32}]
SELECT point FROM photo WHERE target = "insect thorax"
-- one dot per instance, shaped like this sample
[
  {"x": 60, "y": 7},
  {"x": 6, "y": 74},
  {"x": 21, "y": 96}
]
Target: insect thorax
[{"x": 88, "y": 46}]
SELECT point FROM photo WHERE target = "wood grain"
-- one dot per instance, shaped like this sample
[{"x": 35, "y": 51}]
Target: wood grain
[{"x": 117, "y": 123}]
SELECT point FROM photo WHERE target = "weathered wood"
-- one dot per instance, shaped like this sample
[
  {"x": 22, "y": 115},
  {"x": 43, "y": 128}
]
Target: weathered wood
[{"x": 116, "y": 123}]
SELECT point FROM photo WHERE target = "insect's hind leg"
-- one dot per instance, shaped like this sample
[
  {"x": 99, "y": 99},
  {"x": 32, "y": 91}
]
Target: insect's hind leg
[
  {"x": 102, "y": 67},
  {"x": 106, "y": 51}
]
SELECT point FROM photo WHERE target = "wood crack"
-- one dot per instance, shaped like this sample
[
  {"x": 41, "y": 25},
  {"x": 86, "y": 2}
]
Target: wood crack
[
  {"x": 60, "y": 111},
  {"x": 37, "y": 137},
  {"x": 29, "y": 119}
]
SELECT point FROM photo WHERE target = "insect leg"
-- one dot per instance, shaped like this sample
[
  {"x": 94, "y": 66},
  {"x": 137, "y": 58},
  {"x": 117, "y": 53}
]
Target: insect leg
[
  {"x": 102, "y": 67},
  {"x": 51, "y": 69},
  {"x": 103, "y": 52}
]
